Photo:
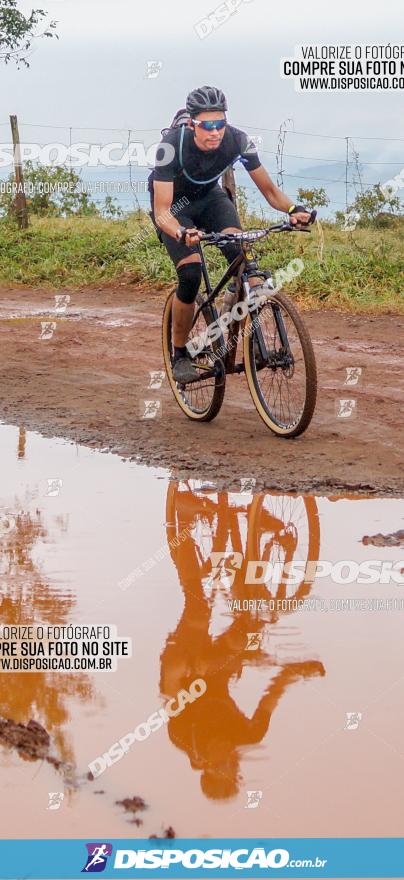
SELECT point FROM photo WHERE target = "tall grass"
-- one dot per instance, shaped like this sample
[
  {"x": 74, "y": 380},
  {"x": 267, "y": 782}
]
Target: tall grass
[{"x": 359, "y": 271}]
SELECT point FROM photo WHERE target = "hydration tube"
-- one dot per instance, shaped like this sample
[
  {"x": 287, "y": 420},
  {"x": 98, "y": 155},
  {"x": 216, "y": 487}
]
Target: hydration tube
[{"x": 200, "y": 182}]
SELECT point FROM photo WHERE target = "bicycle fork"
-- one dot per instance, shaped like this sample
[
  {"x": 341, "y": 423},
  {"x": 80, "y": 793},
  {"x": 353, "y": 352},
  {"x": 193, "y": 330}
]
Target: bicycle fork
[{"x": 258, "y": 334}]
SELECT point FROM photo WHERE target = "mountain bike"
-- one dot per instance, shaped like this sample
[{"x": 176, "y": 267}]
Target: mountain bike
[
  {"x": 278, "y": 358},
  {"x": 224, "y": 645}
]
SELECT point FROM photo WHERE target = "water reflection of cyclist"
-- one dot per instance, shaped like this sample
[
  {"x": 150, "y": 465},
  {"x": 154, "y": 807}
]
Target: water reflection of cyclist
[{"x": 213, "y": 729}]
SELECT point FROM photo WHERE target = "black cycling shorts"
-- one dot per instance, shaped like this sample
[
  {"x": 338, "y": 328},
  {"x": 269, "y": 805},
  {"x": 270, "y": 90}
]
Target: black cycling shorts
[{"x": 211, "y": 213}]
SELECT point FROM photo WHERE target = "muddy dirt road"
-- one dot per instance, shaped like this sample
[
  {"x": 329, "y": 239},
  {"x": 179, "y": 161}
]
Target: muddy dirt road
[{"x": 89, "y": 379}]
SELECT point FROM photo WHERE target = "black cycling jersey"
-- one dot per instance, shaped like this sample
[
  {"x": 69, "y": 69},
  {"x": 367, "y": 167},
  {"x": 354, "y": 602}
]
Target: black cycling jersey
[{"x": 200, "y": 165}]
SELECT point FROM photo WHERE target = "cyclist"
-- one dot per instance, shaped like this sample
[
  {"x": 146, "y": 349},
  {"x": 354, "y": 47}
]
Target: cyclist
[
  {"x": 214, "y": 731},
  {"x": 189, "y": 162}
]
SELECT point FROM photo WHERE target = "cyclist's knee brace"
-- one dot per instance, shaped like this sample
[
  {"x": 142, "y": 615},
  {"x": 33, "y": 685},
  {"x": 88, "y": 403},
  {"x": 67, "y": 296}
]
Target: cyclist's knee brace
[
  {"x": 189, "y": 279},
  {"x": 231, "y": 250}
]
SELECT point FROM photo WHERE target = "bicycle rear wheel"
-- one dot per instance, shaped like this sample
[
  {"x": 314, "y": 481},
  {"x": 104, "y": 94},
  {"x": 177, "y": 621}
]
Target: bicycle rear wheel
[
  {"x": 284, "y": 386},
  {"x": 200, "y": 401}
]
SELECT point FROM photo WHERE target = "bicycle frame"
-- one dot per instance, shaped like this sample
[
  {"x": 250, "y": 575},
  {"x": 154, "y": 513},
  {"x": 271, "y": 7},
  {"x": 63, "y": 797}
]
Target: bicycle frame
[
  {"x": 244, "y": 267},
  {"x": 228, "y": 274}
]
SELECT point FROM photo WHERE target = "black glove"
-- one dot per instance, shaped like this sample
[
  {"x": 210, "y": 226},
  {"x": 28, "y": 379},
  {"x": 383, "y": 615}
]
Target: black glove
[{"x": 298, "y": 208}]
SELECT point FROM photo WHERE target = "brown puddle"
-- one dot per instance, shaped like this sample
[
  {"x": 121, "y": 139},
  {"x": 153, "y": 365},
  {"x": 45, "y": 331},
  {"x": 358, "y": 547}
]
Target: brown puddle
[
  {"x": 299, "y": 731},
  {"x": 123, "y": 317}
]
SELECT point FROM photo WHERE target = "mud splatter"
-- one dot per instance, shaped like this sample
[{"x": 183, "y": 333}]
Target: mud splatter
[
  {"x": 394, "y": 539},
  {"x": 168, "y": 833},
  {"x": 133, "y": 805},
  {"x": 32, "y": 742}
]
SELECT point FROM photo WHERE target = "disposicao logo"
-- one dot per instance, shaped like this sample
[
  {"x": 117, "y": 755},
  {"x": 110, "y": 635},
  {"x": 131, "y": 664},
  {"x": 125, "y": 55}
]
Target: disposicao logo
[
  {"x": 97, "y": 857},
  {"x": 199, "y": 858}
]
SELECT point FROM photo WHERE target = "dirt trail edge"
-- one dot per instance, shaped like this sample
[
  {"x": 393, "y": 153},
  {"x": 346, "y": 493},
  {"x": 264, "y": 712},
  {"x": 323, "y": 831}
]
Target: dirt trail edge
[{"x": 87, "y": 377}]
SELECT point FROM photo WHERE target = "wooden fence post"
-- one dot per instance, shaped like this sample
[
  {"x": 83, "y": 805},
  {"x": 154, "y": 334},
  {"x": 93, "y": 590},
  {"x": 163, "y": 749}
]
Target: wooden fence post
[
  {"x": 229, "y": 185},
  {"x": 20, "y": 202}
]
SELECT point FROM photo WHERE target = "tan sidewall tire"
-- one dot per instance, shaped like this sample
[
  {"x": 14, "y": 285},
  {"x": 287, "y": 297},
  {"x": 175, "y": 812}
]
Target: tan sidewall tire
[
  {"x": 313, "y": 550},
  {"x": 217, "y": 398},
  {"x": 310, "y": 364}
]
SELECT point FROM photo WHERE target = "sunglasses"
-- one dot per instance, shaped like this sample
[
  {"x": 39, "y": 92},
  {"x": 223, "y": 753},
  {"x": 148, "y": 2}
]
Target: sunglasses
[{"x": 210, "y": 124}]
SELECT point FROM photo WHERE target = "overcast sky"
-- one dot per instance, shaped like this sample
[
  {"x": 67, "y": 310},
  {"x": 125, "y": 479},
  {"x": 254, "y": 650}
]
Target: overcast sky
[{"x": 94, "y": 75}]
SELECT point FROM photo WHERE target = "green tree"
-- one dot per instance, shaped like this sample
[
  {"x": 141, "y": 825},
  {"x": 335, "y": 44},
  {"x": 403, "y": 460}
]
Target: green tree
[
  {"x": 369, "y": 204},
  {"x": 111, "y": 210},
  {"x": 313, "y": 198},
  {"x": 17, "y": 31},
  {"x": 50, "y": 191}
]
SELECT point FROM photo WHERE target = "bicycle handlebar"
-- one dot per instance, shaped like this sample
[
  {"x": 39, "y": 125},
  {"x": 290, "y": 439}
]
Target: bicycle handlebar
[{"x": 255, "y": 234}]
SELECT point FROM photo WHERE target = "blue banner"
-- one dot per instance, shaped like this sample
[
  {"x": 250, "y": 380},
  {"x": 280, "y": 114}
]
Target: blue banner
[{"x": 219, "y": 857}]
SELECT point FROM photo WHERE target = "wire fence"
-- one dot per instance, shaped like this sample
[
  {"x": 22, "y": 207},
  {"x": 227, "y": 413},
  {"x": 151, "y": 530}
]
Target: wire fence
[{"x": 282, "y": 151}]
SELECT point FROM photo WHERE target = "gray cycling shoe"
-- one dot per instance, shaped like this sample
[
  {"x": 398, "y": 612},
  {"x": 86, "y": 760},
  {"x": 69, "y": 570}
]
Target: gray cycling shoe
[{"x": 184, "y": 370}]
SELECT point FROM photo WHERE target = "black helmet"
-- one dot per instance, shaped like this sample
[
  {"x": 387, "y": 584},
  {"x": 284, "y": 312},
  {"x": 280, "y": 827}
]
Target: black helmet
[{"x": 205, "y": 98}]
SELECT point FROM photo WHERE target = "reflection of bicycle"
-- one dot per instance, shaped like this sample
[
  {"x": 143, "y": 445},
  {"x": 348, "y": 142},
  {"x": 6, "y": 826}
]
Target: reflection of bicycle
[
  {"x": 285, "y": 529},
  {"x": 270, "y": 528},
  {"x": 214, "y": 731},
  {"x": 278, "y": 357}
]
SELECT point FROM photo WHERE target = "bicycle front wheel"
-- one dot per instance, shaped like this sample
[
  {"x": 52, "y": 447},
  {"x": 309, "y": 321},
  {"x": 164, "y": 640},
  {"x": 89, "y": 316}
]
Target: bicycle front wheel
[
  {"x": 283, "y": 385},
  {"x": 201, "y": 400}
]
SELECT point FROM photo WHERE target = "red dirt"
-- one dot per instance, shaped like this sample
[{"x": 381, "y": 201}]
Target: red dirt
[{"x": 88, "y": 381}]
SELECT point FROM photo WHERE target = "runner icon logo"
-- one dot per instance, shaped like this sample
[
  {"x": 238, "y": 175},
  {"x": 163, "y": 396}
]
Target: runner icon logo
[
  {"x": 247, "y": 484},
  {"x": 156, "y": 378},
  {"x": 353, "y": 375},
  {"x": 97, "y": 857},
  {"x": 345, "y": 408},
  {"x": 253, "y": 641},
  {"x": 55, "y": 800},
  {"x": 253, "y": 800},
  {"x": 61, "y": 302},
  {"x": 153, "y": 69},
  {"x": 47, "y": 329},
  {"x": 352, "y": 720},
  {"x": 152, "y": 408},
  {"x": 54, "y": 487}
]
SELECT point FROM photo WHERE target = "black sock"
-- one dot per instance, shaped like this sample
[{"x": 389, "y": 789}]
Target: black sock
[{"x": 180, "y": 352}]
